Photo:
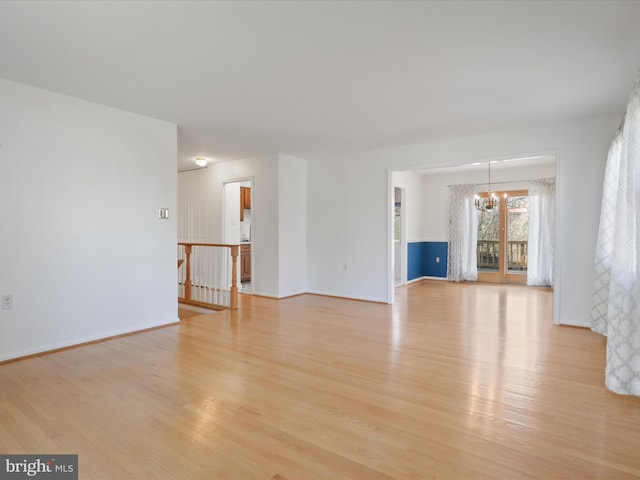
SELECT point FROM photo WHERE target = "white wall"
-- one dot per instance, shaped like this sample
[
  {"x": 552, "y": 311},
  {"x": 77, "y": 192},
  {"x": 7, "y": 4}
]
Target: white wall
[
  {"x": 348, "y": 204},
  {"x": 81, "y": 247},
  {"x": 292, "y": 220},
  {"x": 359, "y": 187},
  {"x": 278, "y": 218},
  {"x": 232, "y": 212},
  {"x": 435, "y": 221}
]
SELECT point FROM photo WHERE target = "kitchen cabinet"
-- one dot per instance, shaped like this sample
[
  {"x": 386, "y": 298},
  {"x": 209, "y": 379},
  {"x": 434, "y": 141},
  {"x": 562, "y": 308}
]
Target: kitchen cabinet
[
  {"x": 245, "y": 196},
  {"x": 245, "y": 263},
  {"x": 245, "y": 201}
]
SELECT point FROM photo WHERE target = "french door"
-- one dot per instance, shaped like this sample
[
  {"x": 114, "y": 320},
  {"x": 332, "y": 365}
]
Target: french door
[{"x": 502, "y": 238}]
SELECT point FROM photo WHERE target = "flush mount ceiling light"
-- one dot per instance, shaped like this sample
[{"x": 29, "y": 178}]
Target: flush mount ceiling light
[{"x": 201, "y": 161}]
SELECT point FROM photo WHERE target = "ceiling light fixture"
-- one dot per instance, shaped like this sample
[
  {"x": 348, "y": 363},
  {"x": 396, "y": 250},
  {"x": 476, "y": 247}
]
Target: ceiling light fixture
[
  {"x": 490, "y": 201},
  {"x": 201, "y": 161}
]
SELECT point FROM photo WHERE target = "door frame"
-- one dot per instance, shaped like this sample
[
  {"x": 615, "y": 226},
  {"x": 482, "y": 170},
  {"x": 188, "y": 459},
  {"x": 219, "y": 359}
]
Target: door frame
[
  {"x": 402, "y": 243},
  {"x": 464, "y": 160}
]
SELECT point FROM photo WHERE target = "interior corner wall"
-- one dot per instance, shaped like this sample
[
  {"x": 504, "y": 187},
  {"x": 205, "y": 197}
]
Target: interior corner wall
[
  {"x": 348, "y": 207},
  {"x": 278, "y": 217},
  {"x": 292, "y": 226},
  {"x": 82, "y": 249},
  {"x": 263, "y": 170}
]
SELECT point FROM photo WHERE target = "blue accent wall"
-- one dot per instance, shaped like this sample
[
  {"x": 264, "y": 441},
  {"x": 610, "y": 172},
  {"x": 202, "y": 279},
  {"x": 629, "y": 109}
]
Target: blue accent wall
[
  {"x": 421, "y": 259},
  {"x": 431, "y": 250},
  {"x": 414, "y": 260}
]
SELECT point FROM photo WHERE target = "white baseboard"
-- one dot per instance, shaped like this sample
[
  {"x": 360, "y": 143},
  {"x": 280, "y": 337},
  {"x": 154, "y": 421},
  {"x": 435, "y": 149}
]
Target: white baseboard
[
  {"x": 267, "y": 295},
  {"x": 80, "y": 341},
  {"x": 193, "y": 308},
  {"x": 425, "y": 278},
  {"x": 347, "y": 297},
  {"x": 573, "y": 324}
]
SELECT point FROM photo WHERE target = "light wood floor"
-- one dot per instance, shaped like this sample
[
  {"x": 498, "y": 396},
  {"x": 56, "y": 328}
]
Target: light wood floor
[{"x": 453, "y": 382}]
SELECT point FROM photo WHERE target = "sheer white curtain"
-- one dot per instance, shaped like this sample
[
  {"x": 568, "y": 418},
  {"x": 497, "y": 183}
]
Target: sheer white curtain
[
  {"x": 463, "y": 234},
  {"x": 616, "y": 283},
  {"x": 542, "y": 232}
]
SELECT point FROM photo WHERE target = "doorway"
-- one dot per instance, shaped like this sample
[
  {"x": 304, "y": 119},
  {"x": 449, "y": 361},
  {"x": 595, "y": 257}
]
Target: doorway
[
  {"x": 425, "y": 198},
  {"x": 503, "y": 232},
  {"x": 238, "y": 228},
  {"x": 399, "y": 239}
]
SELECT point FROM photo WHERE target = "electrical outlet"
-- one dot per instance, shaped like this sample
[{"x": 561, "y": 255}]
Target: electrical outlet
[
  {"x": 7, "y": 302},
  {"x": 437, "y": 259}
]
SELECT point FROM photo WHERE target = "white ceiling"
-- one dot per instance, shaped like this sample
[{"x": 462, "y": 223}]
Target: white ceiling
[
  {"x": 503, "y": 164},
  {"x": 308, "y": 78}
]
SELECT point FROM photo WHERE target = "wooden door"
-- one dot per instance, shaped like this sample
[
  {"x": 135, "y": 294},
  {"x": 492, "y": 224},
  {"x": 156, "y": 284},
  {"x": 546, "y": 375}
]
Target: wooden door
[{"x": 502, "y": 239}]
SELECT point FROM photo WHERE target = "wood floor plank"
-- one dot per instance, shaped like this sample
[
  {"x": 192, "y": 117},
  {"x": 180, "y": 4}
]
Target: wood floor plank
[{"x": 454, "y": 381}]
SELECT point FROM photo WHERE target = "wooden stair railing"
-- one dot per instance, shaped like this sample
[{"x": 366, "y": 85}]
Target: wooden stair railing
[{"x": 213, "y": 289}]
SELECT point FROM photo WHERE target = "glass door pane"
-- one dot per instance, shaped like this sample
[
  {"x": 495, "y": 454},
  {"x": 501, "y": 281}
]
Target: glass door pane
[
  {"x": 489, "y": 239},
  {"x": 517, "y": 233}
]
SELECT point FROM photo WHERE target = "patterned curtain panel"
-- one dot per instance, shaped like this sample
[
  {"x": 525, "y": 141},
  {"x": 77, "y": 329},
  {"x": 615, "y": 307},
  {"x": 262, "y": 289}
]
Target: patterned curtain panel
[
  {"x": 604, "y": 248},
  {"x": 616, "y": 294},
  {"x": 542, "y": 232},
  {"x": 463, "y": 234}
]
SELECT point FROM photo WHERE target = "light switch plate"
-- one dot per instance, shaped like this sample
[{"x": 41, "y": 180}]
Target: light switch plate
[{"x": 163, "y": 213}]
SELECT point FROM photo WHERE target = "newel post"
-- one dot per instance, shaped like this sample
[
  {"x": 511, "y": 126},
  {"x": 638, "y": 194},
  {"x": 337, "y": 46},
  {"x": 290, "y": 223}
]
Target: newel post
[
  {"x": 233, "y": 301},
  {"x": 187, "y": 283}
]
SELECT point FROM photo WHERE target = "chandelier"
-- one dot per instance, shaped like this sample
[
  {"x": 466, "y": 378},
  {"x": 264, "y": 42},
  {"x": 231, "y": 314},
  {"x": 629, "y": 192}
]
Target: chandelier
[{"x": 490, "y": 201}]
